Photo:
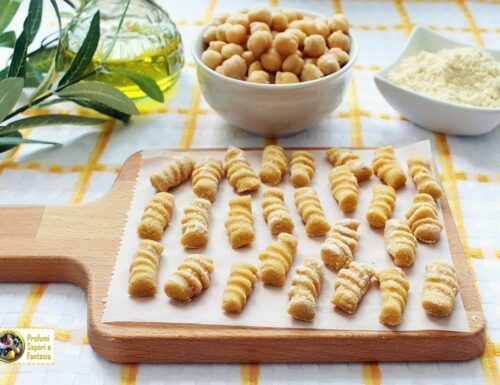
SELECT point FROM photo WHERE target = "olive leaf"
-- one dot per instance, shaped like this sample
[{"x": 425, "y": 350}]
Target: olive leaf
[
  {"x": 10, "y": 90},
  {"x": 9, "y": 9},
  {"x": 101, "y": 93},
  {"x": 7, "y": 39},
  {"x": 145, "y": 83},
  {"x": 14, "y": 138},
  {"x": 30, "y": 28},
  {"x": 85, "y": 54}
]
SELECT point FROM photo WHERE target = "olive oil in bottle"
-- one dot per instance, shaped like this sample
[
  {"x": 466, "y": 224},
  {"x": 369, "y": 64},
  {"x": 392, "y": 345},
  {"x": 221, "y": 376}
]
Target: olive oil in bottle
[{"x": 148, "y": 42}]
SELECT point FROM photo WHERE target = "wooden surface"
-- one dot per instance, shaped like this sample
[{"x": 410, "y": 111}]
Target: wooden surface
[{"x": 79, "y": 244}]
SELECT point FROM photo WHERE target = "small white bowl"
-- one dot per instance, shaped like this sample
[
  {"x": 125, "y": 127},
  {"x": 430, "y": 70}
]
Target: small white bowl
[
  {"x": 273, "y": 109},
  {"x": 430, "y": 113}
]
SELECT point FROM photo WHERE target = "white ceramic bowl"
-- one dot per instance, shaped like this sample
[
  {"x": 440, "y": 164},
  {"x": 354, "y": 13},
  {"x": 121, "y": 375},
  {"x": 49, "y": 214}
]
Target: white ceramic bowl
[
  {"x": 272, "y": 109},
  {"x": 434, "y": 114}
]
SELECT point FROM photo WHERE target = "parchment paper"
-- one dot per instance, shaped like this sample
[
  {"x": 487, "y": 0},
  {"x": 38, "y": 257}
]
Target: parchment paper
[{"x": 266, "y": 306}]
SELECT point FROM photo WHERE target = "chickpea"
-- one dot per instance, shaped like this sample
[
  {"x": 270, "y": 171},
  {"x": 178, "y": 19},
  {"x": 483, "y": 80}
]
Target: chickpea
[
  {"x": 244, "y": 10},
  {"x": 300, "y": 35},
  {"x": 221, "y": 32},
  {"x": 294, "y": 24},
  {"x": 262, "y": 14},
  {"x": 231, "y": 49},
  {"x": 259, "y": 26},
  {"x": 239, "y": 19},
  {"x": 328, "y": 64},
  {"x": 322, "y": 28},
  {"x": 340, "y": 40},
  {"x": 211, "y": 58},
  {"x": 219, "y": 70},
  {"x": 308, "y": 27},
  {"x": 309, "y": 72},
  {"x": 293, "y": 14},
  {"x": 249, "y": 57},
  {"x": 216, "y": 45},
  {"x": 259, "y": 42},
  {"x": 311, "y": 60},
  {"x": 236, "y": 34},
  {"x": 279, "y": 22},
  {"x": 314, "y": 45},
  {"x": 259, "y": 77},
  {"x": 286, "y": 43},
  {"x": 341, "y": 56},
  {"x": 271, "y": 60},
  {"x": 338, "y": 22},
  {"x": 286, "y": 78},
  {"x": 255, "y": 66},
  {"x": 210, "y": 34},
  {"x": 293, "y": 63},
  {"x": 220, "y": 18},
  {"x": 234, "y": 67}
]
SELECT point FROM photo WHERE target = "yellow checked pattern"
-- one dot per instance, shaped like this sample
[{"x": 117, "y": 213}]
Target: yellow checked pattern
[{"x": 86, "y": 166}]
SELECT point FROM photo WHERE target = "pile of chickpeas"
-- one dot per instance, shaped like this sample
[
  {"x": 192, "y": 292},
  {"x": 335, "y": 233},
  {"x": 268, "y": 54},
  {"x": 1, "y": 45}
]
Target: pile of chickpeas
[{"x": 263, "y": 45}]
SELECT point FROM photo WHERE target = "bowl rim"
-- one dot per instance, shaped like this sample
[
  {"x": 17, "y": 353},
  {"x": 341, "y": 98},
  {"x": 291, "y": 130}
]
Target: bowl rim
[
  {"x": 353, "y": 55},
  {"x": 380, "y": 76}
]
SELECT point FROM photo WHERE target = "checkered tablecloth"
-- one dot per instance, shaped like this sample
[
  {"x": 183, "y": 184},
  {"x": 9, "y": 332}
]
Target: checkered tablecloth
[{"x": 86, "y": 166}]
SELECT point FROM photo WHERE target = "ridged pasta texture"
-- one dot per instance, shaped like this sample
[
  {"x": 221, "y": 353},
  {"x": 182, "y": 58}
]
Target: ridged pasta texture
[
  {"x": 156, "y": 217},
  {"x": 440, "y": 288},
  {"x": 302, "y": 168},
  {"x": 351, "y": 286},
  {"x": 344, "y": 188},
  {"x": 276, "y": 259},
  {"x": 176, "y": 171},
  {"x": 344, "y": 156},
  {"x": 239, "y": 285},
  {"x": 144, "y": 269},
  {"x": 338, "y": 249},
  {"x": 381, "y": 206},
  {"x": 400, "y": 242},
  {"x": 195, "y": 224},
  {"x": 422, "y": 217},
  {"x": 191, "y": 277},
  {"x": 387, "y": 169},
  {"x": 420, "y": 171},
  {"x": 238, "y": 171},
  {"x": 206, "y": 178},
  {"x": 239, "y": 224},
  {"x": 305, "y": 290},
  {"x": 274, "y": 164},
  {"x": 309, "y": 207},
  {"x": 275, "y": 212},
  {"x": 393, "y": 294}
]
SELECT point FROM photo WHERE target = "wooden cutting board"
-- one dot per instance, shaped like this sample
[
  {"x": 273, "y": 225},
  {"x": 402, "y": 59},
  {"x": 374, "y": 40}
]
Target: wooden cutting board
[{"x": 79, "y": 244}]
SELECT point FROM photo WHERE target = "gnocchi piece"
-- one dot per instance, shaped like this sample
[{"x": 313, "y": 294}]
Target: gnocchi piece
[
  {"x": 275, "y": 212},
  {"x": 173, "y": 173},
  {"x": 191, "y": 277},
  {"x": 274, "y": 164},
  {"x": 394, "y": 289},
  {"x": 276, "y": 259},
  {"x": 239, "y": 285},
  {"x": 440, "y": 288},
  {"x": 302, "y": 168},
  {"x": 381, "y": 206},
  {"x": 195, "y": 224},
  {"x": 239, "y": 224},
  {"x": 400, "y": 242},
  {"x": 305, "y": 290},
  {"x": 309, "y": 207},
  {"x": 422, "y": 217},
  {"x": 387, "y": 169},
  {"x": 351, "y": 286},
  {"x": 344, "y": 188},
  {"x": 338, "y": 249},
  {"x": 156, "y": 217},
  {"x": 206, "y": 178},
  {"x": 344, "y": 156},
  {"x": 144, "y": 269},
  {"x": 239, "y": 172},
  {"x": 420, "y": 171}
]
